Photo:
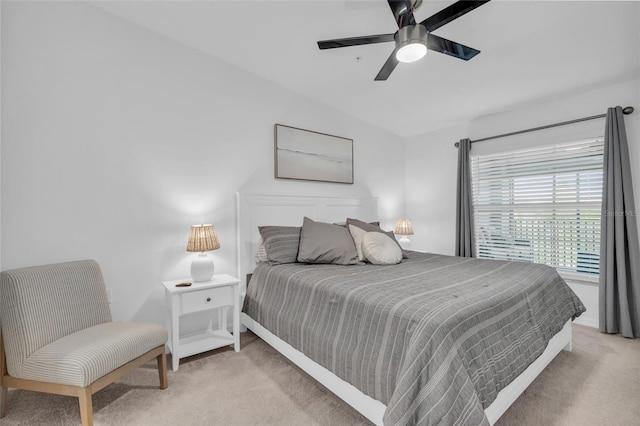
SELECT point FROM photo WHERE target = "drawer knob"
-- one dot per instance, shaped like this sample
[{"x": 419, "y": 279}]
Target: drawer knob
[{"x": 208, "y": 299}]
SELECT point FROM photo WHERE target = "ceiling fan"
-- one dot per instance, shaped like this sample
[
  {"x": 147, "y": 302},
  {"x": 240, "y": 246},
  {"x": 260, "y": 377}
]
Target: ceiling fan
[{"x": 413, "y": 39}]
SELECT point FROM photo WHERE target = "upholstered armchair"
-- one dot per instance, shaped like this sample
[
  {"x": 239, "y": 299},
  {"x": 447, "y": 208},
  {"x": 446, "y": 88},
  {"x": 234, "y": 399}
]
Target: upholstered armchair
[{"x": 57, "y": 335}]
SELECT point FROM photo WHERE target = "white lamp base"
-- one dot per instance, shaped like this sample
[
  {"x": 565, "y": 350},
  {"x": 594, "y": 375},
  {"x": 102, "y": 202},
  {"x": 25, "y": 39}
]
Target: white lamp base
[
  {"x": 202, "y": 268},
  {"x": 404, "y": 242}
]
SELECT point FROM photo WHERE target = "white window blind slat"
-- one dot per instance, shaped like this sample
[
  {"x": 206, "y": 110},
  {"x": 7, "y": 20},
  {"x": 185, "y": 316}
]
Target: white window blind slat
[{"x": 540, "y": 205}]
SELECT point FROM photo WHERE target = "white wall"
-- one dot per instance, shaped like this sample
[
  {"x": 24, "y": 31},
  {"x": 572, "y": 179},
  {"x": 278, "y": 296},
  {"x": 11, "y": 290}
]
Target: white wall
[
  {"x": 430, "y": 187},
  {"x": 115, "y": 140},
  {"x": 431, "y": 160}
]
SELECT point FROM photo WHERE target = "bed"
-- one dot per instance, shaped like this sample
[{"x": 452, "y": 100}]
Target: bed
[{"x": 433, "y": 340}]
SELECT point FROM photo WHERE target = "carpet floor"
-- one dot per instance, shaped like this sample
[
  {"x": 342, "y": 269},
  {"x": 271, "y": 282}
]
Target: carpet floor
[{"x": 596, "y": 384}]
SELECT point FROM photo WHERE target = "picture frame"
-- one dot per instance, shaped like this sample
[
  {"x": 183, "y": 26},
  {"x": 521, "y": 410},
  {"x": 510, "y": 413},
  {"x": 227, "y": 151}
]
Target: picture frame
[{"x": 312, "y": 156}]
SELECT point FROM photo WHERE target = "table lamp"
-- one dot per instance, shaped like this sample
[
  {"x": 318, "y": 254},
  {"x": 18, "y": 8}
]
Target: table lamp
[
  {"x": 202, "y": 238},
  {"x": 404, "y": 228}
]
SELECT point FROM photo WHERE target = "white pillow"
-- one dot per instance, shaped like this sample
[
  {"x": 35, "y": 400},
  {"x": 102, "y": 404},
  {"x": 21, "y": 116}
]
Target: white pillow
[
  {"x": 380, "y": 249},
  {"x": 357, "y": 234}
]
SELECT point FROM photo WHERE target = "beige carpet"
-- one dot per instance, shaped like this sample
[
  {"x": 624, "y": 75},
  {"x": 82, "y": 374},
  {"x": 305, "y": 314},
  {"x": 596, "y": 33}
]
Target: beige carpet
[{"x": 596, "y": 384}]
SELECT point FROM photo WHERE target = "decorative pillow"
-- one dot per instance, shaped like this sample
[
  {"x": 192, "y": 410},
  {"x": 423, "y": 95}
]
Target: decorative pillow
[
  {"x": 380, "y": 249},
  {"x": 261, "y": 254},
  {"x": 372, "y": 228},
  {"x": 326, "y": 243},
  {"x": 281, "y": 243},
  {"x": 357, "y": 234}
]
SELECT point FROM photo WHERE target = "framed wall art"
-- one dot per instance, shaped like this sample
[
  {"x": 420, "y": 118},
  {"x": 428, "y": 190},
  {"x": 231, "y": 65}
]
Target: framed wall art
[{"x": 308, "y": 155}]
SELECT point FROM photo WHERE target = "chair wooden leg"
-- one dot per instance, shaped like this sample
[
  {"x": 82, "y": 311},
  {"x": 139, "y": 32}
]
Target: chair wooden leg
[
  {"x": 3, "y": 401},
  {"x": 3, "y": 372},
  {"x": 162, "y": 370},
  {"x": 86, "y": 407}
]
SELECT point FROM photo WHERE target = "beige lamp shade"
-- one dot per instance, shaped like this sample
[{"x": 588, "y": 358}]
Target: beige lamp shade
[
  {"x": 203, "y": 238},
  {"x": 404, "y": 227}
]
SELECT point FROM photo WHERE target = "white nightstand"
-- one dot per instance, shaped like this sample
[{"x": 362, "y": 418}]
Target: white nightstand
[{"x": 222, "y": 292}]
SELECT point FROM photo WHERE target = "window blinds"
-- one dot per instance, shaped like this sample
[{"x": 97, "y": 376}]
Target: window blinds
[{"x": 540, "y": 205}]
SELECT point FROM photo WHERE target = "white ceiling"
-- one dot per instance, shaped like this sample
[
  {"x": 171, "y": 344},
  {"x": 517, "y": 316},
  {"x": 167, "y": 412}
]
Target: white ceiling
[{"x": 530, "y": 51}]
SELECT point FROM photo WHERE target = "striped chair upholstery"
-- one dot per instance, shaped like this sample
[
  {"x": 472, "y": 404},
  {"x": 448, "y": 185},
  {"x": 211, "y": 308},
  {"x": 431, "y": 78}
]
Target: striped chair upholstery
[{"x": 57, "y": 327}]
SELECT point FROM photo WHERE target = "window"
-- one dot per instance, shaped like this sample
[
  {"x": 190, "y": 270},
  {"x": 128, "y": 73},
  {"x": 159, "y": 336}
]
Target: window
[{"x": 541, "y": 205}]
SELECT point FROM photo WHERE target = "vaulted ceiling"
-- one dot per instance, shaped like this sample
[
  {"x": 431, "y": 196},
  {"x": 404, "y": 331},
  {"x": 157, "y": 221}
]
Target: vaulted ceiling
[{"x": 530, "y": 51}]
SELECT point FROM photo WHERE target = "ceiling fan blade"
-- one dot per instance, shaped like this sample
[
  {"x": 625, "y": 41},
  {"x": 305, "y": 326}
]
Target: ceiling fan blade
[
  {"x": 355, "y": 41},
  {"x": 388, "y": 67},
  {"x": 451, "y": 48},
  {"x": 402, "y": 12},
  {"x": 450, "y": 13}
]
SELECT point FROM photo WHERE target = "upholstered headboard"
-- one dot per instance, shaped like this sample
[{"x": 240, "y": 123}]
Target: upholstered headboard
[{"x": 256, "y": 210}]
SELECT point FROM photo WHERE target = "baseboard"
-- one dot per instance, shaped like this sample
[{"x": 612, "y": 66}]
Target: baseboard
[{"x": 589, "y": 322}]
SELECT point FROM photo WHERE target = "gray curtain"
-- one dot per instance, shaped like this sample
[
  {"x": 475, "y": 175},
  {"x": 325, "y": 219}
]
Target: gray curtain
[
  {"x": 619, "y": 249},
  {"x": 464, "y": 208}
]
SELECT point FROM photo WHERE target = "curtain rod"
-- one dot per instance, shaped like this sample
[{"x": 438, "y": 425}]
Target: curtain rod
[{"x": 627, "y": 110}]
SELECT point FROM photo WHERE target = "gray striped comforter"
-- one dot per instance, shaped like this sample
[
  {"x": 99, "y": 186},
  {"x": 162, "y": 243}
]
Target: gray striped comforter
[{"x": 435, "y": 338}]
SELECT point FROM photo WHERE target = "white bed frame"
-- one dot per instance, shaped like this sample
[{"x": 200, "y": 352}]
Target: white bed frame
[{"x": 262, "y": 209}]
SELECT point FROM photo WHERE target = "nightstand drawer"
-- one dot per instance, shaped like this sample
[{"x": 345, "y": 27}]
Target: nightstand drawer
[{"x": 207, "y": 299}]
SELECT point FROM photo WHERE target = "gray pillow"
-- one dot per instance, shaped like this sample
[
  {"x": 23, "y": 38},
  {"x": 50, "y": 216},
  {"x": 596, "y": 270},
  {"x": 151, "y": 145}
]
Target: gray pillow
[
  {"x": 326, "y": 243},
  {"x": 372, "y": 228},
  {"x": 344, "y": 224},
  {"x": 261, "y": 254},
  {"x": 281, "y": 243}
]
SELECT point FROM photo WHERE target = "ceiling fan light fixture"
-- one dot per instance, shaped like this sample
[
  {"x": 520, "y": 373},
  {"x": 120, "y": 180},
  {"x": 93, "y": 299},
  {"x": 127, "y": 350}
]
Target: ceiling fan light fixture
[
  {"x": 413, "y": 39},
  {"x": 411, "y": 52},
  {"x": 410, "y": 43}
]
